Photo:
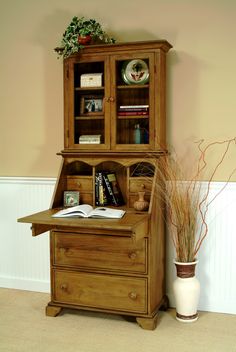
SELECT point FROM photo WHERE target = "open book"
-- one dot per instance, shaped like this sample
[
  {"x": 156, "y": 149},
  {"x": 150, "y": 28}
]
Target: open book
[{"x": 87, "y": 211}]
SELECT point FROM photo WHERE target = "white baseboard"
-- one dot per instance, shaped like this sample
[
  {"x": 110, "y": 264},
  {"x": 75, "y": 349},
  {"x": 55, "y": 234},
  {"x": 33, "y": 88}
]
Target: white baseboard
[{"x": 25, "y": 284}]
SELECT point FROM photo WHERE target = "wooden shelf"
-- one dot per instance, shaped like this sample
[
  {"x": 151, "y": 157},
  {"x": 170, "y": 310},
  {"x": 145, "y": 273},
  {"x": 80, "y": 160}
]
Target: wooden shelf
[
  {"x": 133, "y": 86},
  {"x": 89, "y": 88},
  {"x": 90, "y": 117}
]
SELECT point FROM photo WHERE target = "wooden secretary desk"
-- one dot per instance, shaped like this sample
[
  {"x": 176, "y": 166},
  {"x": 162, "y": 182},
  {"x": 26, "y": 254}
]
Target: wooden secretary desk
[{"x": 113, "y": 266}]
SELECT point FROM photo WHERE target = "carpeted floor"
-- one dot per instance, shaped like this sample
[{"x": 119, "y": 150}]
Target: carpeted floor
[{"x": 25, "y": 328}]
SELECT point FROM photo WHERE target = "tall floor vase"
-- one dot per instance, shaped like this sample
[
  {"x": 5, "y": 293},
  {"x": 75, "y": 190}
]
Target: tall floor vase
[{"x": 186, "y": 289}]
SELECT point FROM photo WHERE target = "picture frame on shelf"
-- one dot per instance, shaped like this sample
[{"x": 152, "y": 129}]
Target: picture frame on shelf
[
  {"x": 91, "y": 105},
  {"x": 71, "y": 198}
]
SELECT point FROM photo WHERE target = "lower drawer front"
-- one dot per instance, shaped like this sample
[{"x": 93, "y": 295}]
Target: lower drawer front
[
  {"x": 100, "y": 291},
  {"x": 100, "y": 252}
]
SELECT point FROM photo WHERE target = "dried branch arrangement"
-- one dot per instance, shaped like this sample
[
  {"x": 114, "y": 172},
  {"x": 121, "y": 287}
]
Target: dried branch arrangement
[{"x": 186, "y": 203}]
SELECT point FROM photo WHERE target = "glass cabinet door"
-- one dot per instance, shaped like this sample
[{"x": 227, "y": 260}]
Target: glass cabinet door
[
  {"x": 133, "y": 107},
  {"x": 86, "y": 109}
]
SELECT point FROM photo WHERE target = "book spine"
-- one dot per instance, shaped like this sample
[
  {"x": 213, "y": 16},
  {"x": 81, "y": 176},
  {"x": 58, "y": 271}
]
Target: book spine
[
  {"x": 133, "y": 106},
  {"x": 133, "y": 113},
  {"x": 109, "y": 190},
  {"x": 96, "y": 190},
  {"x": 133, "y": 109},
  {"x": 102, "y": 196},
  {"x": 115, "y": 188}
]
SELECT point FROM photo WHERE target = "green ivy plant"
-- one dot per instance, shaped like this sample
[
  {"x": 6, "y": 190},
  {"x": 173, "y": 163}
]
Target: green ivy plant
[{"x": 81, "y": 27}]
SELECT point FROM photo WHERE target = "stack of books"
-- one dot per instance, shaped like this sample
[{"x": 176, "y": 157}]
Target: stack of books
[
  {"x": 133, "y": 110},
  {"x": 90, "y": 139},
  {"x": 107, "y": 190}
]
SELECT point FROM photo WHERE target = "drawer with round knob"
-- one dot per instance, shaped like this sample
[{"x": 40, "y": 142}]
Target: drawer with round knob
[
  {"x": 138, "y": 184},
  {"x": 100, "y": 252},
  {"x": 80, "y": 183},
  {"x": 100, "y": 291}
]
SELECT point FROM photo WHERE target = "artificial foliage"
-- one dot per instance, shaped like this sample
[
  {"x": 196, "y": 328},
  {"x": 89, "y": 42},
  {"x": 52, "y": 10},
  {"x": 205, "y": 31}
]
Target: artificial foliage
[{"x": 81, "y": 27}]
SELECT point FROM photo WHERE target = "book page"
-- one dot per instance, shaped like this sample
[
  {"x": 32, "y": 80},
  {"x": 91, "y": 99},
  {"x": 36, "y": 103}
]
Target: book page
[
  {"x": 107, "y": 213},
  {"x": 78, "y": 210}
]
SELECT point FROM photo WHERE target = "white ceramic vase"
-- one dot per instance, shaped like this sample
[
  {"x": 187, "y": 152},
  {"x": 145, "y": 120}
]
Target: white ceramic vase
[{"x": 186, "y": 289}]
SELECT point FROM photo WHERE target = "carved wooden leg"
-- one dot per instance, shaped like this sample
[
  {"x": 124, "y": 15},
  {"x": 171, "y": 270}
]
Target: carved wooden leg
[
  {"x": 52, "y": 311},
  {"x": 147, "y": 323}
]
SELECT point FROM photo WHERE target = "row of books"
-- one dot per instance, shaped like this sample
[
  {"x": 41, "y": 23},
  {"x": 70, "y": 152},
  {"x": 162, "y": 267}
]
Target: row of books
[
  {"x": 107, "y": 190},
  {"x": 129, "y": 110}
]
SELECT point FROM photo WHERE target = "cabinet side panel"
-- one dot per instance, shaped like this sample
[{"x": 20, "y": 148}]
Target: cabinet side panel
[
  {"x": 157, "y": 253},
  {"x": 160, "y": 100}
]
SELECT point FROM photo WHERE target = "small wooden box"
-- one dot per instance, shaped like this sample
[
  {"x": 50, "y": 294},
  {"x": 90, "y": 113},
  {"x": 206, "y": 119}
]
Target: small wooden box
[{"x": 91, "y": 80}]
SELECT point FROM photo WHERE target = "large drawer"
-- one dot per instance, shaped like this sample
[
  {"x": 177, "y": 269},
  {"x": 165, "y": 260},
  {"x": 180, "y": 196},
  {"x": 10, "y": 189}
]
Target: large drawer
[
  {"x": 101, "y": 252},
  {"x": 100, "y": 291}
]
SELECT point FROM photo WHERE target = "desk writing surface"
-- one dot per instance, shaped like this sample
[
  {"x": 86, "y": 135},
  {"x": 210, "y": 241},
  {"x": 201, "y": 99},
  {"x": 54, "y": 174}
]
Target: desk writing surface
[{"x": 128, "y": 223}]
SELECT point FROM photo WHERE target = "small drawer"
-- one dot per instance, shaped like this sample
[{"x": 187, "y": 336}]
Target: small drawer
[
  {"x": 100, "y": 291},
  {"x": 100, "y": 252},
  {"x": 140, "y": 184},
  {"x": 80, "y": 183}
]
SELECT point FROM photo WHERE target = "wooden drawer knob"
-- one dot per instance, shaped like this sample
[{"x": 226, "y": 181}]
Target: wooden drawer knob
[
  {"x": 65, "y": 250},
  {"x": 63, "y": 287},
  {"x": 78, "y": 184},
  {"x": 142, "y": 186},
  {"x": 133, "y": 295},
  {"x": 133, "y": 255}
]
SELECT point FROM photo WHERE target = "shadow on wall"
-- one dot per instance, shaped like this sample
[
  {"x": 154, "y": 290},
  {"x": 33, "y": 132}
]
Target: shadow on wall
[
  {"x": 183, "y": 100},
  {"x": 48, "y": 35}
]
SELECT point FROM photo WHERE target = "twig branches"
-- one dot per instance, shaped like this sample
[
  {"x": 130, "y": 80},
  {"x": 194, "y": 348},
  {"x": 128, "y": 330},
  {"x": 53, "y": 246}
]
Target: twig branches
[{"x": 187, "y": 204}]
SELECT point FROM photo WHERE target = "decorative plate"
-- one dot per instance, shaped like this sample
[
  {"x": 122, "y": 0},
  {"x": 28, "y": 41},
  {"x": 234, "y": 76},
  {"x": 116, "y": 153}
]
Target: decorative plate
[{"x": 135, "y": 72}]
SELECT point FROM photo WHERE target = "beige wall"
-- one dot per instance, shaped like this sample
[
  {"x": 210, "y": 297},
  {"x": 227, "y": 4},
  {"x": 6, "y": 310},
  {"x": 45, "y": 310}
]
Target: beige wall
[{"x": 201, "y": 69}]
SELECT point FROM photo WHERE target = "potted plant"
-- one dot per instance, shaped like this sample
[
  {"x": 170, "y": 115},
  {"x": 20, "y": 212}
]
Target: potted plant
[
  {"x": 80, "y": 32},
  {"x": 186, "y": 208}
]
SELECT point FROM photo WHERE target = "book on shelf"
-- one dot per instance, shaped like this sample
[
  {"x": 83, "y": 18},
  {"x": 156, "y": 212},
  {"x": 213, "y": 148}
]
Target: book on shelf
[
  {"x": 90, "y": 138},
  {"x": 133, "y": 110},
  {"x": 107, "y": 190},
  {"x": 133, "y": 113},
  {"x": 87, "y": 211},
  {"x": 133, "y": 107},
  {"x": 101, "y": 196},
  {"x": 113, "y": 188}
]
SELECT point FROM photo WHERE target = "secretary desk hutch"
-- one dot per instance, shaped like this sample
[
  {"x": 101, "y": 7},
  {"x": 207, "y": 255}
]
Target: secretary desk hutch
[{"x": 109, "y": 265}]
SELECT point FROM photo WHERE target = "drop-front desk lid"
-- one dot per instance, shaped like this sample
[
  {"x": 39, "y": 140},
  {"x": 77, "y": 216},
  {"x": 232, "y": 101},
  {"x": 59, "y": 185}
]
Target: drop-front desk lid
[{"x": 131, "y": 224}]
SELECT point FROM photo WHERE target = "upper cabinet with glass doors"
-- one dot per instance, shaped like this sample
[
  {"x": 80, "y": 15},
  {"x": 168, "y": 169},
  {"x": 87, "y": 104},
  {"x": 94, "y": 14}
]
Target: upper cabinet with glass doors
[{"x": 115, "y": 98}]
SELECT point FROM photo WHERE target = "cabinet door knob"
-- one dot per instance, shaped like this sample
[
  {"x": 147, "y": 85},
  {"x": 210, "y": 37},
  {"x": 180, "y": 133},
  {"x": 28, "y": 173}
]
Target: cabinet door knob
[
  {"x": 133, "y": 295},
  {"x": 78, "y": 184},
  {"x": 112, "y": 99},
  {"x": 142, "y": 186}
]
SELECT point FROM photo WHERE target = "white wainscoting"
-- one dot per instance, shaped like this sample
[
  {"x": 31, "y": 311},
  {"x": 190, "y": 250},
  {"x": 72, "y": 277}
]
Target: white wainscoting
[
  {"x": 216, "y": 269},
  {"x": 24, "y": 260}
]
